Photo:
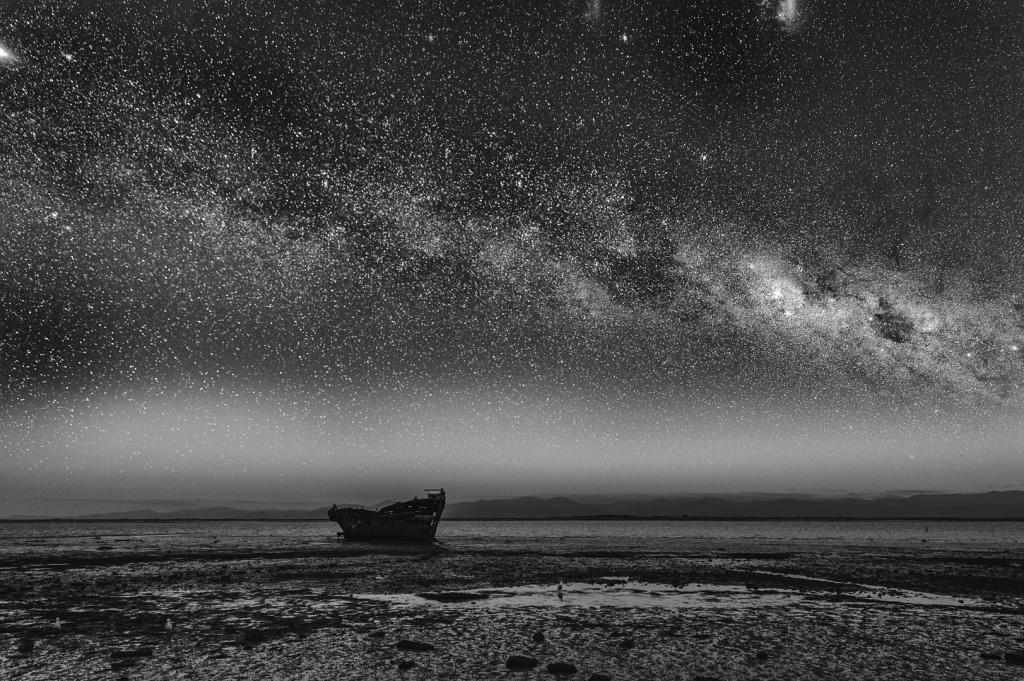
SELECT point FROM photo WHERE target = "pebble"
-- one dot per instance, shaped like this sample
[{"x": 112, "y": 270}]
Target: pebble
[
  {"x": 561, "y": 668},
  {"x": 538, "y": 637},
  {"x": 1015, "y": 657},
  {"x": 406, "y": 664},
  {"x": 600, "y": 677},
  {"x": 252, "y": 636},
  {"x": 520, "y": 662},
  {"x": 26, "y": 645}
]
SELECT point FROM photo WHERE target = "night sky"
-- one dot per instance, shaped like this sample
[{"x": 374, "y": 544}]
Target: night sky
[{"x": 335, "y": 251}]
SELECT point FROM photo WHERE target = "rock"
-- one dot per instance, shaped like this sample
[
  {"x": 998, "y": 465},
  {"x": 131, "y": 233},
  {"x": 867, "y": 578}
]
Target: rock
[
  {"x": 538, "y": 637},
  {"x": 1016, "y": 657},
  {"x": 627, "y": 643},
  {"x": 251, "y": 636},
  {"x": 379, "y": 633},
  {"x": 129, "y": 654},
  {"x": 118, "y": 665},
  {"x": 520, "y": 662},
  {"x": 417, "y": 646},
  {"x": 26, "y": 645},
  {"x": 991, "y": 655},
  {"x": 600, "y": 677},
  {"x": 561, "y": 668},
  {"x": 761, "y": 655},
  {"x": 406, "y": 664}
]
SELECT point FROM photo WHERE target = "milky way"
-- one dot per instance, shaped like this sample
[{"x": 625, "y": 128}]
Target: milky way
[{"x": 646, "y": 210}]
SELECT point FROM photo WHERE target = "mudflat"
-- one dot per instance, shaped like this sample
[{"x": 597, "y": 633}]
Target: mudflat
[{"x": 331, "y": 610}]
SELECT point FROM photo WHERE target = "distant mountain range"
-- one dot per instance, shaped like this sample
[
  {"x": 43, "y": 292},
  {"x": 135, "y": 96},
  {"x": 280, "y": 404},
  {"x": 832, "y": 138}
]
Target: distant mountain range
[
  {"x": 206, "y": 513},
  {"x": 987, "y": 505},
  {"x": 1009, "y": 505}
]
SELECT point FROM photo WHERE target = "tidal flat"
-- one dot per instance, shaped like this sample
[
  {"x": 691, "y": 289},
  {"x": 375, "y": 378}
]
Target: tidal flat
[{"x": 118, "y": 606}]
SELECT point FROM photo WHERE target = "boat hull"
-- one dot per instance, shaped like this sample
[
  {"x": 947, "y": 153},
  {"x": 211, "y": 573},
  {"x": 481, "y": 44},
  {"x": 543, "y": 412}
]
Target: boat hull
[{"x": 414, "y": 520}]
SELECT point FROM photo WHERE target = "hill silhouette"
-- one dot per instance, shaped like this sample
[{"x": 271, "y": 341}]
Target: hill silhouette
[{"x": 989, "y": 505}]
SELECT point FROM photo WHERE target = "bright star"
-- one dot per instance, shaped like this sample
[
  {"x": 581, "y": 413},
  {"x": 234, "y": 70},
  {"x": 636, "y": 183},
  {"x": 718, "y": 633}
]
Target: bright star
[{"x": 7, "y": 55}]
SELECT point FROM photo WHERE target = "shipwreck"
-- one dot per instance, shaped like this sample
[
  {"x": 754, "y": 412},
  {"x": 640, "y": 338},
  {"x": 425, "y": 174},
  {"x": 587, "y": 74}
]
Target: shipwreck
[{"x": 413, "y": 520}]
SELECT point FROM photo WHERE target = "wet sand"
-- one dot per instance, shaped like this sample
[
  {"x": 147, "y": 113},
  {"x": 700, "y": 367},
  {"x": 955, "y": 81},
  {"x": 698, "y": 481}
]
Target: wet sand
[{"x": 331, "y": 610}]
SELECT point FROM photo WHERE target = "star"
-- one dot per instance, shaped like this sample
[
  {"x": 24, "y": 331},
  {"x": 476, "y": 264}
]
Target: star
[{"x": 7, "y": 55}]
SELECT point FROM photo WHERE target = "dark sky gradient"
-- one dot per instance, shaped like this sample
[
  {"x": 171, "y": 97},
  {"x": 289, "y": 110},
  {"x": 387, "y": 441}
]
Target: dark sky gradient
[{"x": 262, "y": 251}]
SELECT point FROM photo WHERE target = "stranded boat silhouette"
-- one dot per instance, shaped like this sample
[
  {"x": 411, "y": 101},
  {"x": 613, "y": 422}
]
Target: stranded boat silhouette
[{"x": 413, "y": 520}]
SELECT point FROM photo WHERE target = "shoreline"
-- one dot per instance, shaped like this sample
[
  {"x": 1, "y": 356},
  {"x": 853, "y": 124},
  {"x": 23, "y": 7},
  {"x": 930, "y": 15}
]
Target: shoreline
[
  {"x": 937, "y": 519},
  {"x": 730, "y": 609}
]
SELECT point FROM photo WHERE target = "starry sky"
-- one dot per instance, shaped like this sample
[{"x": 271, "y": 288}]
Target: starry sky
[{"x": 333, "y": 251}]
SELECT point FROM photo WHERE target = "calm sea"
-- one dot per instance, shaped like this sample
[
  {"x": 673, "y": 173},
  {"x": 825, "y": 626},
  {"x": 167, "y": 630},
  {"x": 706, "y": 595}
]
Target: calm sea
[{"x": 51, "y": 540}]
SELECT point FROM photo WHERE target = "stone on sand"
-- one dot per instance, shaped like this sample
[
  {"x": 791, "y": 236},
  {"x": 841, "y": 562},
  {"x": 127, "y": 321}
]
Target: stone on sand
[
  {"x": 521, "y": 662},
  {"x": 252, "y": 636},
  {"x": 562, "y": 668}
]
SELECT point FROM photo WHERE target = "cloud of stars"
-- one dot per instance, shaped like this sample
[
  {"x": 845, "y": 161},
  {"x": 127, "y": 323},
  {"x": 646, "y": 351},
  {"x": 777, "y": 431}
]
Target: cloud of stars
[{"x": 626, "y": 217}]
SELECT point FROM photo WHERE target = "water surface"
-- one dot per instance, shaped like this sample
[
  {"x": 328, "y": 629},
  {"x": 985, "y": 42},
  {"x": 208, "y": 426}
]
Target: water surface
[{"x": 38, "y": 540}]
